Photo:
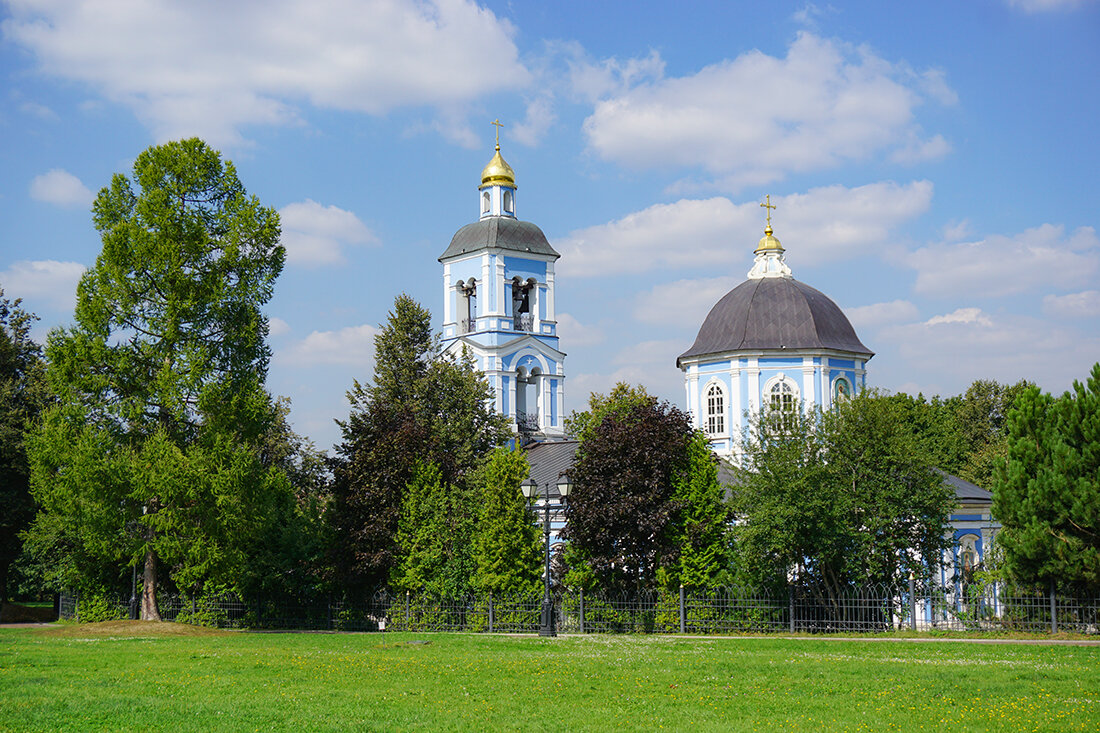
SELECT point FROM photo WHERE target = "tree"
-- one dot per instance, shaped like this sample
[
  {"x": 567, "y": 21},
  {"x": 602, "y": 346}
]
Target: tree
[
  {"x": 981, "y": 414},
  {"x": 153, "y": 454},
  {"x": 622, "y": 513},
  {"x": 1047, "y": 495},
  {"x": 841, "y": 497},
  {"x": 702, "y": 528},
  {"x": 422, "y": 408},
  {"x": 506, "y": 550},
  {"x": 21, "y": 399}
]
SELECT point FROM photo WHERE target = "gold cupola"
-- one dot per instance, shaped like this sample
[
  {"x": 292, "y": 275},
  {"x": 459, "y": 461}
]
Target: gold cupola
[
  {"x": 768, "y": 243},
  {"x": 498, "y": 172}
]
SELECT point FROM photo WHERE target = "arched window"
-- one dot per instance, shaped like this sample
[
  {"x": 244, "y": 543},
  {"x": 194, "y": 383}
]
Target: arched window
[
  {"x": 508, "y": 201},
  {"x": 485, "y": 203},
  {"x": 842, "y": 391},
  {"x": 783, "y": 402},
  {"x": 716, "y": 410}
]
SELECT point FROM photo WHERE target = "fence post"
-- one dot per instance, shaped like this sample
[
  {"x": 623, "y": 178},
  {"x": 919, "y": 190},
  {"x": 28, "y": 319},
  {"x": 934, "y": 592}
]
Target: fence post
[
  {"x": 790, "y": 604},
  {"x": 490, "y": 612},
  {"x": 683, "y": 612},
  {"x": 912, "y": 601},
  {"x": 582, "y": 608},
  {"x": 1053, "y": 610},
  {"x": 408, "y": 623}
]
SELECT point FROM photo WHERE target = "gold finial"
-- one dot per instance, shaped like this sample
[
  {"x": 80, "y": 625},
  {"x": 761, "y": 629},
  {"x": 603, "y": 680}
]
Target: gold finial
[
  {"x": 498, "y": 172},
  {"x": 768, "y": 243},
  {"x": 769, "y": 206}
]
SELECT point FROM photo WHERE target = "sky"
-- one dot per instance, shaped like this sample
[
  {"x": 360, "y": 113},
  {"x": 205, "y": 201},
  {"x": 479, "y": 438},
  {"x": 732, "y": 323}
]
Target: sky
[{"x": 935, "y": 166}]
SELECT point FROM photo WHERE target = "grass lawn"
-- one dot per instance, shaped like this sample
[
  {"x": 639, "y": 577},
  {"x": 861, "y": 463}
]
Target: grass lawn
[{"x": 128, "y": 675}]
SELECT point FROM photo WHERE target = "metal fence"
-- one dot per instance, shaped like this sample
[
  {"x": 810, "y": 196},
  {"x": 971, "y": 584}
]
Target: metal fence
[{"x": 713, "y": 611}]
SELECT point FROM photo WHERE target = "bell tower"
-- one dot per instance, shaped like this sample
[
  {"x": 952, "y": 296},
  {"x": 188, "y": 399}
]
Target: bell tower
[{"x": 498, "y": 304}]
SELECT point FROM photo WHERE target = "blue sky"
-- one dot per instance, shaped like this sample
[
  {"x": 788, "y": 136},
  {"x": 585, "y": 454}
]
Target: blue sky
[{"x": 935, "y": 166}]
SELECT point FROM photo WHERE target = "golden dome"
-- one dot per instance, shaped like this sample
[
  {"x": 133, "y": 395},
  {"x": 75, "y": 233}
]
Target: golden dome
[
  {"x": 768, "y": 243},
  {"x": 498, "y": 172}
]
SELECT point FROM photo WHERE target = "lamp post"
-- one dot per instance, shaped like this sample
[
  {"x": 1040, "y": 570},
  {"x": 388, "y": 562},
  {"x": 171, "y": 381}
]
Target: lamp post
[{"x": 530, "y": 490}]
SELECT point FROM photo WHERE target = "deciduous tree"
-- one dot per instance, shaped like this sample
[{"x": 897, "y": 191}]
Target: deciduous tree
[
  {"x": 21, "y": 399},
  {"x": 623, "y": 513},
  {"x": 842, "y": 497}
]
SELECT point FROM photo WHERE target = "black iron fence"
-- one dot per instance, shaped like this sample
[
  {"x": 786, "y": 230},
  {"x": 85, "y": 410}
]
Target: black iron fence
[{"x": 712, "y": 611}]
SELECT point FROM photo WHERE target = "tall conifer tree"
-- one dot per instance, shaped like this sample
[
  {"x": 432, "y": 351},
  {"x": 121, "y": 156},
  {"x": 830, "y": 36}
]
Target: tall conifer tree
[{"x": 151, "y": 455}]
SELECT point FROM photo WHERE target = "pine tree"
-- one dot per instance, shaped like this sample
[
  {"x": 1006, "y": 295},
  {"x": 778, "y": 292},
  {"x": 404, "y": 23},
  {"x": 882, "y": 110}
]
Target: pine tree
[
  {"x": 1047, "y": 496},
  {"x": 423, "y": 408},
  {"x": 702, "y": 531}
]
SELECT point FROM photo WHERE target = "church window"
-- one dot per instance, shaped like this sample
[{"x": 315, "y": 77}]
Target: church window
[
  {"x": 485, "y": 203},
  {"x": 716, "y": 410},
  {"x": 842, "y": 391},
  {"x": 783, "y": 402},
  {"x": 508, "y": 201}
]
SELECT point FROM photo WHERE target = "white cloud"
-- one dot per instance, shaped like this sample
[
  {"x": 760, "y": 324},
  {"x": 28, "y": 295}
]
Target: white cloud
[
  {"x": 353, "y": 345},
  {"x": 49, "y": 282},
  {"x": 1075, "y": 305},
  {"x": 277, "y": 327},
  {"x": 917, "y": 150},
  {"x": 61, "y": 188},
  {"x": 576, "y": 334},
  {"x": 946, "y": 353},
  {"x": 206, "y": 68},
  {"x": 972, "y": 316},
  {"x": 882, "y": 314},
  {"x": 683, "y": 302},
  {"x": 1043, "y": 6},
  {"x": 591, "y": 80},
  {"x": 953, "y": 231},
  {"x": 999, "y": 266},
  {"x": 757, "y": 118},
  {"x": 40, "y": 111},
  {"x": 314, "y": 234},
  {"x": 827, "y": 223},
  {"x": 540, "y": 116}
]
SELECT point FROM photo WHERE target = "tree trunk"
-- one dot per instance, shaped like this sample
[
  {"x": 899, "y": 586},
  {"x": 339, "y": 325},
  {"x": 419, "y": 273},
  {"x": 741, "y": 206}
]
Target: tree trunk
[{"x": 149, "y": 610}]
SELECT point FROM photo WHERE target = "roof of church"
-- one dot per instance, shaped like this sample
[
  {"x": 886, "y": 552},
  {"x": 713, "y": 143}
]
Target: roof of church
[
  {"x": 775, "y": 313},
  {"x": 549, "y": 460},
  {"x": 501, "y": 232},
  {"x": 966, "y": 491}
]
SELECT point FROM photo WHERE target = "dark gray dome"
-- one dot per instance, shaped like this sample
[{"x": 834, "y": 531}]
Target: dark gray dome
[
  {"x": 775, "y": 313},
  {"x": 501, "y": 232}
]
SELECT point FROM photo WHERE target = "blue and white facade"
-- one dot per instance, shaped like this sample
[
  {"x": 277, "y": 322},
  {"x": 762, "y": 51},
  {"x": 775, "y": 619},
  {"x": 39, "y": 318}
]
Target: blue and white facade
[{"x": 498, "y": 305}]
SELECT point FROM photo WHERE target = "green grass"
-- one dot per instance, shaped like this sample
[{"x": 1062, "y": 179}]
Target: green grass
[{"x": 127, "y": 675}]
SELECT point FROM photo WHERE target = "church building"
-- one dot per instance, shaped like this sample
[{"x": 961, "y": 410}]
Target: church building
[
  {"x": 770, "y": 343},
  {"x": 498, "y": 306}
]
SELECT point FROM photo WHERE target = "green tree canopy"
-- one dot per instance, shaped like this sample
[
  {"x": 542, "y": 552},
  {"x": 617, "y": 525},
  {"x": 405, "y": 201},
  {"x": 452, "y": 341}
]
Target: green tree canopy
[
  {"x": 153, "y": 454},
  {"x": 1047, "y": 495},
  {"x": 624, "y": 516},
  {"x": 842, "y": 497},
  {"x": 21, "y": 399},
  {"x": 423, "y": 408},
  {"x": 506, "y": 549}
]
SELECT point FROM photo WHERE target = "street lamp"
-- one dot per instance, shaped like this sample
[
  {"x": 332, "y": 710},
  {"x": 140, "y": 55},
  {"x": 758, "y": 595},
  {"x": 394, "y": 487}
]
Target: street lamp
[{"x": 530, "y": 490}]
